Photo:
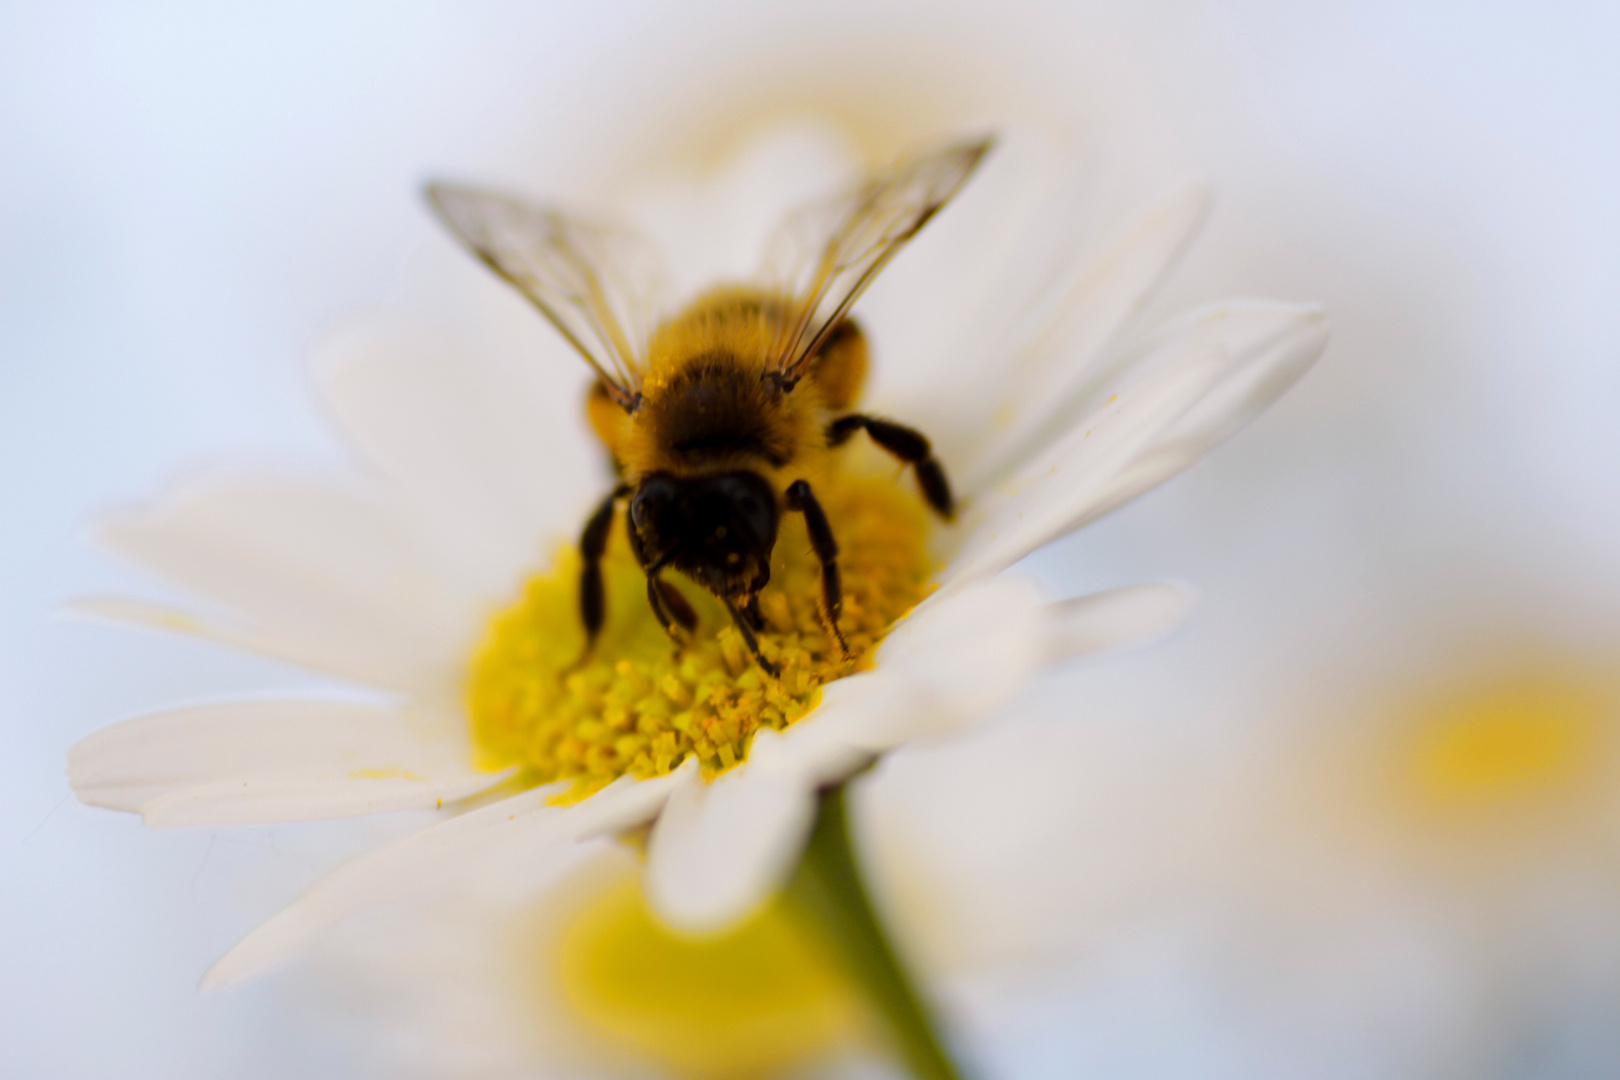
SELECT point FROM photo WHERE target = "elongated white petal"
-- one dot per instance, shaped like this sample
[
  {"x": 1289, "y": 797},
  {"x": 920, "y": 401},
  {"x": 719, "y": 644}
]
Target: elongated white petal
[
  {"x": 963, "y": 659},
  {"x": 467, "y": 443},
  {"x": 847, "y": 730},
  {"x": 1061, "y": 354},
  {"x": 262, "y": 762},
  {"x": 720, "y": 850},
  {"x": 946, "y": 665},
  {"x": 316, "y": 573},
  {"x": 962, "y": 656},
  {"x": 1214, "y": 370},
  {"x": 1284, "y": 341},
  {"x": 290, "y": 648},
  {"x": 523, "y": 828},
  {"x": 1106, "y": 620}
]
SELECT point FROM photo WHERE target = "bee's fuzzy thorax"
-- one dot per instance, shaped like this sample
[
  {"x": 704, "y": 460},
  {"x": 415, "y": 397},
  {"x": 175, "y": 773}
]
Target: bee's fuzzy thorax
[{"x": 708, "y": 404}]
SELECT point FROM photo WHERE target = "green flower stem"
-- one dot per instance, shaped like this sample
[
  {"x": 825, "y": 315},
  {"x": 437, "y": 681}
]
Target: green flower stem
[{"x": 828, "y": 887}]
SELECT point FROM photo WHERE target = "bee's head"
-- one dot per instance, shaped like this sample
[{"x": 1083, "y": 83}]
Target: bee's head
[{"x": 719, "y": 529}]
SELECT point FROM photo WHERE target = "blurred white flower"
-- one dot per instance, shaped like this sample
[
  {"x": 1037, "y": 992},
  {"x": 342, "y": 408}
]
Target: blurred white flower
[
  {"x": 1055, "y": 415},
  {"x": 576, "y": 976},
  {"x": 1424, "y": 875},
  {"x": 1384, "y": 850}
]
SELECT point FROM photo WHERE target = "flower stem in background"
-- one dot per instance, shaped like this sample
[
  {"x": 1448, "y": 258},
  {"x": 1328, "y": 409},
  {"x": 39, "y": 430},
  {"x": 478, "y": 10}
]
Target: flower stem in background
[{"x": 828, "y": 887}]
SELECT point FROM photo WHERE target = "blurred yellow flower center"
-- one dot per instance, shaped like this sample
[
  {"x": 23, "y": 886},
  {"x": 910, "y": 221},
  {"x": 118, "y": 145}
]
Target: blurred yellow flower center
[
  {"x": 1507, "y": 741},
  {"x": 639, "y": 705},
  {"x": 754, "y": 1001}
]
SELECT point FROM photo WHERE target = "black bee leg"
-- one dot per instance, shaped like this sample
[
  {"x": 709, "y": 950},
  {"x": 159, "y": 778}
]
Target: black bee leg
[
  {"x": 592, "y": 544},
  {"x": 751, "y": 611},
  {"x": 822, "y": 543},
  {"x": 670, "y": 606},
  {"x": 748, "y": 637},
  {"x": 907, "y": 444},
  {"x": 666, "y": 601}
]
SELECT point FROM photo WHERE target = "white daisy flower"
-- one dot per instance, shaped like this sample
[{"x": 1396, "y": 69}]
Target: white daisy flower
[
  {"x": 430, "y": 584},
  {"x": 1424, "y": 876}
]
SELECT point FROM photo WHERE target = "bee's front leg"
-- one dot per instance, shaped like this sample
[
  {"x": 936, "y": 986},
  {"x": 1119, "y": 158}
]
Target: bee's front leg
[
  {"x": 751, "y": 612},
  {"x": 800, "y": 498},
  {"x": 740, "y": 621},
  {"x": 671, "y": 608}
]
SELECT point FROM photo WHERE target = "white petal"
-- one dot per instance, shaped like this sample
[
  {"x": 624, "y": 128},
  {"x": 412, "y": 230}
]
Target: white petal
[
  {"x": 521, "y": 829},
  {"x": 837, "y": 740},
  {"x": 1284, "y": 341},
  {"x": 290, "y": 649},
  {"x": 960, "y": 657},
  {"x": 1105, "y": 620},
  {"x": 329, "y": 576},
  {"x": 719, "y": 850},
  {"x": 467, "y": 442},
  {"x": 263, "y": 762},
  {"x": 1060, "y": 356},
  {"x": 1213, "y": 371}
]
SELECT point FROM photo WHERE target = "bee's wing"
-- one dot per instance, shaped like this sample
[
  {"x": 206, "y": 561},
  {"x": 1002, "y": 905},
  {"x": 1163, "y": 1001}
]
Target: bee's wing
[
  {"x": 826, "y": 254},
  {"x": 597, "y": 284}
]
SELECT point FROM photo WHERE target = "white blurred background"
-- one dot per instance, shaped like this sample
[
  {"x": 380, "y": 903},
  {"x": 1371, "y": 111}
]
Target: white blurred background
[{"x": 192, "y": 195}]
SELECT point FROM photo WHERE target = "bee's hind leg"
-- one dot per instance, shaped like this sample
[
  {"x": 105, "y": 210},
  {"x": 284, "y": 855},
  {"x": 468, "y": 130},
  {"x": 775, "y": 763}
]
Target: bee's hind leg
[
  {"x": 910, "y": 446},
  {"x": 800, "y": 498},
  {"x": 592, "y": 545}
]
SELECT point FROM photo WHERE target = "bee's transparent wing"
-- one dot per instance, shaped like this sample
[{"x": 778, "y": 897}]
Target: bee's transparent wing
[
  {"x": 826, "y": 254},
  {"x": 600, "y": 286}
]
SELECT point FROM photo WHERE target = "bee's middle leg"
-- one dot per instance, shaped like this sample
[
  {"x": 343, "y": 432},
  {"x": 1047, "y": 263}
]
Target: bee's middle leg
[
  {"x": 800, "y": 498},
  {"x": 910, "y": 446}
]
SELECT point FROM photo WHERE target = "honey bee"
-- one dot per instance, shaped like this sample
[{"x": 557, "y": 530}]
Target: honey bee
[{"x": 726, "y": 415}]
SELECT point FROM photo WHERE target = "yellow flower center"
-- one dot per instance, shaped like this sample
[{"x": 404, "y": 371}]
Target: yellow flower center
[
  {"x": 753, "y": 1001},
  {"x": 639, "y": 705},
  {"x": 1507, "y": 741}
]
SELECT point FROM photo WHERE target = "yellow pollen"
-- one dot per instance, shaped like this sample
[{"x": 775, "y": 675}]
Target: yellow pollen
[
  {"x": 640, "y": 704},
  {"x": 754, "y": 1001},
  {"x": 1507, "y": 741}
]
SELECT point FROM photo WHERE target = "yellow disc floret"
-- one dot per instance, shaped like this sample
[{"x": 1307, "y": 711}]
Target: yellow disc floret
[
  {"x": 756, "y": 1000},
  {"x": 639, "y": 705},
  {"x": 1508, "y": 739}
]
